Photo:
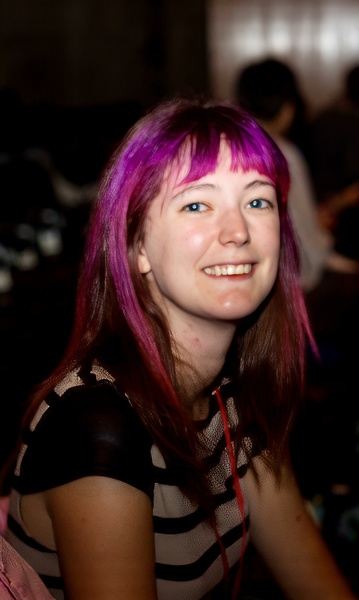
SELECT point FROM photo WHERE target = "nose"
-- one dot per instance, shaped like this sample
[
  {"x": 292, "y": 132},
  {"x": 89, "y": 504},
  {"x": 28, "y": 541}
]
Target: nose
[{"x": 234, "y": 228}]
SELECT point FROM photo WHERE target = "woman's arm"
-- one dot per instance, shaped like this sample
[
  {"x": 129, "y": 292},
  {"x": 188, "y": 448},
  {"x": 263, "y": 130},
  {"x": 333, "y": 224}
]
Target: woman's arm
[
  {"x": 104, "y": 538},
  {"x": 288, "y": 540}
]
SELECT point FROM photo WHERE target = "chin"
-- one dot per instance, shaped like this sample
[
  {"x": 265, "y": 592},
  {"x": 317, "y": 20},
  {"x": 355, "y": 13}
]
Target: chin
[{"x": 241, "y": 310}]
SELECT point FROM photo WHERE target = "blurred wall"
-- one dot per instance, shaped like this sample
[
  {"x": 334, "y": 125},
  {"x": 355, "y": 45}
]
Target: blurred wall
[
  {"x": 86, "y": 52},
  {"x": 318, "y": 38}
]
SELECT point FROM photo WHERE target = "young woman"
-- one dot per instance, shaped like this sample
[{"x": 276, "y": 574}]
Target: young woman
[{"x": 158, "y": 448}]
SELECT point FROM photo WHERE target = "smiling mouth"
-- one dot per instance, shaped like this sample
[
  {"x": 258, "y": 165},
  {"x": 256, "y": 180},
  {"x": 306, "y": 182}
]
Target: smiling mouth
[{"x": 219, "y": 270}]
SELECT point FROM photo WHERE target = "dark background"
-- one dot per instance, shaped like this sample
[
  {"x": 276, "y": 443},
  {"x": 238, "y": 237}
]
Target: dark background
[{"x": 74, "y": 75}]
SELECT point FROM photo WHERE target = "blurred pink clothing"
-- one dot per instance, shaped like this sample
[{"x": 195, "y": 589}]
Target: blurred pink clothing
[{"x": 4, "y": 507}]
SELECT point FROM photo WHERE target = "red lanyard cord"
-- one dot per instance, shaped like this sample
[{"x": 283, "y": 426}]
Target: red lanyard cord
[{"x": 237, "y": 489}]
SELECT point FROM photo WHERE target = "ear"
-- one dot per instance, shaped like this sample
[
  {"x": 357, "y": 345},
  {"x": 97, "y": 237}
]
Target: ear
[{"x": 142, "y": 261}]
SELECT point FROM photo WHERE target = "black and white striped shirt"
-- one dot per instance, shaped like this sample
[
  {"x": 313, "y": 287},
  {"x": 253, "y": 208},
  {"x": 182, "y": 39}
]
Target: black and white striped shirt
[{"x": 85, "y": 427}]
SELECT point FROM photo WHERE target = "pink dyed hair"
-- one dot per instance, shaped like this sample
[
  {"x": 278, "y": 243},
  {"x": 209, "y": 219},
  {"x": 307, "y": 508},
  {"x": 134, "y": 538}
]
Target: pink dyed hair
[{"x": 113, "y": 301}]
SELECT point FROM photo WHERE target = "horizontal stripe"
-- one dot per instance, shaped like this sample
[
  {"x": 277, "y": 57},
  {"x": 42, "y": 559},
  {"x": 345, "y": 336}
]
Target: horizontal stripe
[
  {"x": 172, "y": 479},
  {"x": 199, "y": 567},
  {"x": 17, "y": 530},
  {"x": 177, "y": 525},
  {"x": 173, "y": 526},
  {"x": 167, "y": 475}
]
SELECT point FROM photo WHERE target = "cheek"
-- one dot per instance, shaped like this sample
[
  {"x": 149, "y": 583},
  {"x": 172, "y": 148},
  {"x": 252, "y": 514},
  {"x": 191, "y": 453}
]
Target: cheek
[
  {"x": 177, "y": 250},
  {"x": 275, "y": 246},
  {"x": 270, "y": 239},
  {"x": 193, "y": 240},
  {"x": 196, "y": 236}
]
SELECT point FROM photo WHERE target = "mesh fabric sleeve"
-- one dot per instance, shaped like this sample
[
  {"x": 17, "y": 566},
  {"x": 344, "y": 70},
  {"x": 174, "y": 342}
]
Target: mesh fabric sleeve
[{"x": 90, "y": 430}]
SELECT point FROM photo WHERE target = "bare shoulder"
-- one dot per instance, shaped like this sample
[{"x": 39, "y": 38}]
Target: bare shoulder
[{"x": 102, "y": 531}]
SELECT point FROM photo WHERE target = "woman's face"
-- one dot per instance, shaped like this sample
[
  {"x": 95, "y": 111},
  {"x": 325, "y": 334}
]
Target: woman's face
[{"x": 211, "y": 246}]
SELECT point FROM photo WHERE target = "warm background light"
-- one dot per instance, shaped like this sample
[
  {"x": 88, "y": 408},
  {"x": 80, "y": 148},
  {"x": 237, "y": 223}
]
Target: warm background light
[{"x": 318, "y": 38}]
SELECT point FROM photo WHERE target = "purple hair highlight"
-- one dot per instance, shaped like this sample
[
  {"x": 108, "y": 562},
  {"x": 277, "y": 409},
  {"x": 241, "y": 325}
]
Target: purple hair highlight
[
  {"x": 138, "y": 169},
  {"x": 114, "y": 303}
]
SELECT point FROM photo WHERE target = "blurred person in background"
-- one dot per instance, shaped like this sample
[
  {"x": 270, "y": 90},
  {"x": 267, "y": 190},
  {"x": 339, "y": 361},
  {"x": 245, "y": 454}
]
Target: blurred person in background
[
  {"x": 334, "y": 162},
  {"x": 268, "y": 89},
  {"x": 329, "y": 271}
]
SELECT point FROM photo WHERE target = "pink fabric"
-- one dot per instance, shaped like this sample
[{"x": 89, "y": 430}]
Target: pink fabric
[
  {"x": 4, "y": 508},
  {"x": 18, "y": 580}
]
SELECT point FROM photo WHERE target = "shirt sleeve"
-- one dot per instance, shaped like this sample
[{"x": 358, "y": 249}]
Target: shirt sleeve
[{"x": 90, "y": 430}]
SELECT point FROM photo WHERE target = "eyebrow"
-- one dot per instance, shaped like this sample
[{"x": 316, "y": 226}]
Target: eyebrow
[
  {"x": 257, "y": 183},
  {"x": 211, "y": 186},
  {"x": 195, "y": 187}
]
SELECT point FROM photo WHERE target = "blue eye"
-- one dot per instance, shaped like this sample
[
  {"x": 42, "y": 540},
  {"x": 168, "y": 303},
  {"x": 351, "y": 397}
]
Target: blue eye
[
  {"x": 258, "y": 203},
  {"x": 194, "y": 207}
]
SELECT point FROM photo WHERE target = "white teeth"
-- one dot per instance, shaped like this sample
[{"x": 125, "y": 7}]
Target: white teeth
[{"x": 228, "y": 270}]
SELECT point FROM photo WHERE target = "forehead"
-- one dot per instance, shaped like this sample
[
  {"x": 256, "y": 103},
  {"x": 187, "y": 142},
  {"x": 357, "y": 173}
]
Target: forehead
[
  {"x": 177, "y": 175},
  {"x": 179, "y": 171}
]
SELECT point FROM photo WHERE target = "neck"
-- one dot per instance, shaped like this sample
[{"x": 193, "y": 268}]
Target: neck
[{"x": 201, "y": 350}]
